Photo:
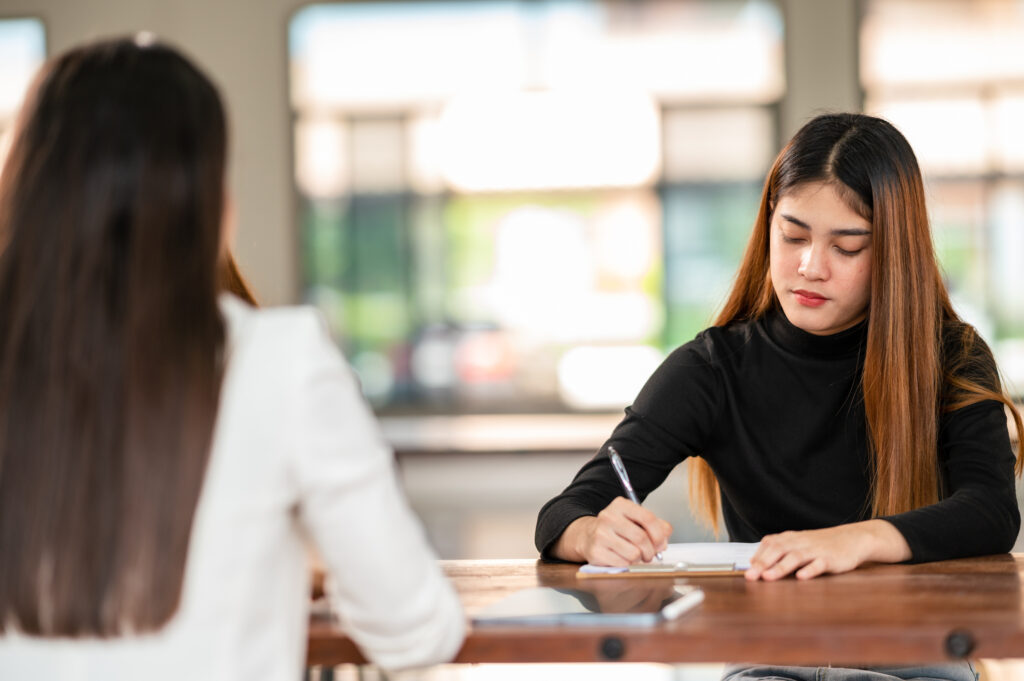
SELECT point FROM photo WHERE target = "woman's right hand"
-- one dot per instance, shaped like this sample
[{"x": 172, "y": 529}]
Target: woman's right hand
[{"x": 622, "y": 534}]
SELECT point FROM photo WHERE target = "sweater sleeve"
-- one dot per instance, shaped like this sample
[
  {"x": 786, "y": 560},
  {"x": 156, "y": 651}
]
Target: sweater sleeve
[
  {"x": 670, "y": 420},
  {"x": 386, "y": 585},
  {"x": 978, "y": 513}
]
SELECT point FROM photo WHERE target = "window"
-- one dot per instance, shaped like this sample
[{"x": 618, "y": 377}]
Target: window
[
  {"x": 950, "y": 76},
  {"x": 22, "y": 51},
  {"x": 521, "y": 206}
]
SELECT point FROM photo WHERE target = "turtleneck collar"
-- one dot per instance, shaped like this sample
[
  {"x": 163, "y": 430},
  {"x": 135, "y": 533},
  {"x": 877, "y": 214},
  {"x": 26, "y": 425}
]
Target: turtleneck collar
[{"x": 843, "y": 344}]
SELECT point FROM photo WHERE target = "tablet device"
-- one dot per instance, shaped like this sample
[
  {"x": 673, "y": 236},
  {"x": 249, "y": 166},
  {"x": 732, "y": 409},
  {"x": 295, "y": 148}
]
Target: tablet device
[{"x": 613, "y": 604}]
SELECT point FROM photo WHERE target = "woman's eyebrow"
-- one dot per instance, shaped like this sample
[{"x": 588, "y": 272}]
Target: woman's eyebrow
[{"x": 846, "y": 231}]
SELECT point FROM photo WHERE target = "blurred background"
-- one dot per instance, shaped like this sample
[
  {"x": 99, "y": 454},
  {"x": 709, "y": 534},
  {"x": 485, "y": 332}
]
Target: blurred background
[{"x": 509, "y": 212}]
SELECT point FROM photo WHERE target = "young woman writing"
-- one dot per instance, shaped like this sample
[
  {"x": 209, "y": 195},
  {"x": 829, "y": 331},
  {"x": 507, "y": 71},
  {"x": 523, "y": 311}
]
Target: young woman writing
[
  {"x": 166, "y": 452},
  {"x": 839, "y": 411}
]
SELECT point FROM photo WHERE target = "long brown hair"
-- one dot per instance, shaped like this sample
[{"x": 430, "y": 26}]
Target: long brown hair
[
  {"x": 910, "y": 374},
  {"x": 111, "y": 340},
  {"x": 231, "y": 280}
]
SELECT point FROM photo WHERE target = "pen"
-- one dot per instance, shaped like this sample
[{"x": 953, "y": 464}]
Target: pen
[
  {"x": 690, "y": 599},
  {"x": 620, "y": 470}
]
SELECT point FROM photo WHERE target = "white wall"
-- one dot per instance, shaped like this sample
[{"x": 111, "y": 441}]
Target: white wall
[{"x": 242, "y": 44}]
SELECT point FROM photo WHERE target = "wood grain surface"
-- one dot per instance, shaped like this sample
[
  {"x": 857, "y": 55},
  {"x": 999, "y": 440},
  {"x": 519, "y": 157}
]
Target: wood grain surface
[{"x": 878, "y": 614}]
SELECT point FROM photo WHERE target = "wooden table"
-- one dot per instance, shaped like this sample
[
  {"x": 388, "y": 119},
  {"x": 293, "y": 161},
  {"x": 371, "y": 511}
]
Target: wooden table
[{"x": 875, "y": 615}]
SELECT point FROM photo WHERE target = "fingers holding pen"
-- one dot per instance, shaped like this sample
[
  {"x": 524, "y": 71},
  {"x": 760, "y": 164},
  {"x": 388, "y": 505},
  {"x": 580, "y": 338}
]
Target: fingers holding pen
[
  {"x": 633, "y": 533},
  {"x": 652, "y": 526},
  {"x": 656, "y": 530}
]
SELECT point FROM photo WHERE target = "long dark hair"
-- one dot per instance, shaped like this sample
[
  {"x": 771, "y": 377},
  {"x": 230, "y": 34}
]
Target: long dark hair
[
  {"x": 910, "y": 375},
  {"x": 111, "y": 340}
]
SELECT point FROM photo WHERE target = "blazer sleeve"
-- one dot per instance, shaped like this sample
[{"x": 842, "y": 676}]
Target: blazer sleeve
[{"x": 385, "y": 582}]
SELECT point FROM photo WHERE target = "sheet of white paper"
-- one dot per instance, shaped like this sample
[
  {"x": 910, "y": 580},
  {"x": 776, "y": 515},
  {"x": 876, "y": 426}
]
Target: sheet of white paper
[
  {"x": 601, "y": 569},
  {"x": 711, "y": 552},
  {"x": 705, "y": 553}
]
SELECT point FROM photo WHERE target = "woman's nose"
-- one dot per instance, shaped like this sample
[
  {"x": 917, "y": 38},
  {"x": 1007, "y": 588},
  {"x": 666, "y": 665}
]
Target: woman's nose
[{"x": 812, "y": 263}]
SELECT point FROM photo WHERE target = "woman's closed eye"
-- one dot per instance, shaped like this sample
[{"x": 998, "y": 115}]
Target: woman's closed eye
[{"x": 852, "y": 246}]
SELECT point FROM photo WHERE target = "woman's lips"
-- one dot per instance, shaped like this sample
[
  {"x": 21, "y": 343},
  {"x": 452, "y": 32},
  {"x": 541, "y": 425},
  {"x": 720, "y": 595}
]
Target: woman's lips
[{"x": 809, "y": 298}]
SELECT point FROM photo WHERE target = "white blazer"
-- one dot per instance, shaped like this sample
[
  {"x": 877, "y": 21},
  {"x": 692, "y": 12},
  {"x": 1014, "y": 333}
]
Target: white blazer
[{"x": 296, "y": 455}]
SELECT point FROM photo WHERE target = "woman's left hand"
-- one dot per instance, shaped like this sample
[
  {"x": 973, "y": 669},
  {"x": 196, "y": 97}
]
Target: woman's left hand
[{"x": 832, "y": 550}]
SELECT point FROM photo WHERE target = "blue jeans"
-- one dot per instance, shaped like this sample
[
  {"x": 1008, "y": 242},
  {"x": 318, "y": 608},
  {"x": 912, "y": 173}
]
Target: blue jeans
[{"x": 953, "y": 671}]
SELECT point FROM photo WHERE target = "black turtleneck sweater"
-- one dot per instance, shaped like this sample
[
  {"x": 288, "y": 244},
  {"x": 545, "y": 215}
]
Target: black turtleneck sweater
[{"x": 778, "y": 414}]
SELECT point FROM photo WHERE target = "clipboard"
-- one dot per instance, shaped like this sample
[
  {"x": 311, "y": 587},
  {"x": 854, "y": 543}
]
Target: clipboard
[
  {"x": 672, "y": 570},
  {"x": 687, "y": 559}
]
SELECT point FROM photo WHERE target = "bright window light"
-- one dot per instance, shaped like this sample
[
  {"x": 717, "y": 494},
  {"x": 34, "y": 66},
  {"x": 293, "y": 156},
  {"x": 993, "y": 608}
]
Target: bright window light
[
  {"x": 605, "y": 377},
  {"x": 429, "y": 51},
  {"x": 549, "y": 140},
  {"x": 664, "y": 50},
  {"x": 379, "y": 55},
  {"x": 320, "y": 170},
  {"x": 717, "y": 144},
  {"x": 927, "y": 125},
  {"x": 22, "y": 51},
  {"x": 911, "y": 42},
  {"x": 1008, "y": 112}
]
